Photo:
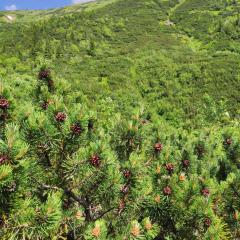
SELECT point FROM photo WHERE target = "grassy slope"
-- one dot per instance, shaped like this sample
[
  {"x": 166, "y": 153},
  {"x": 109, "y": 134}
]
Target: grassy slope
[
  {"x": 35, "y": 15},
  {"x": 124, "y": 49}
]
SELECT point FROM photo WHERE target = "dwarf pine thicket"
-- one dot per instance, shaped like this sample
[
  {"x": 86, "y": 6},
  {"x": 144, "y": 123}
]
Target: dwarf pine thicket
[{"x": 116, "y": 124}]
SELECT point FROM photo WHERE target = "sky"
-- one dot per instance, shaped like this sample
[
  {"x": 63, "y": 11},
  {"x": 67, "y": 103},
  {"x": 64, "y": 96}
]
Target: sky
[{"x": 36, "y": 4}]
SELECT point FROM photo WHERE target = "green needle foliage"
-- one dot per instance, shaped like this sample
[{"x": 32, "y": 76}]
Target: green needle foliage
[{"x": 68, "y": 172}]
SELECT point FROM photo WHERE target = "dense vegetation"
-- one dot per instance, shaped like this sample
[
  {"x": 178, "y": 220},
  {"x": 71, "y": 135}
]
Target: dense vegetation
[{"x": 120, "y": 120}]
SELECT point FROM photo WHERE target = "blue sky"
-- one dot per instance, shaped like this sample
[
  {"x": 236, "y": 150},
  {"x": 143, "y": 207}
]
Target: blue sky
[{"x": 36, "y": 4}]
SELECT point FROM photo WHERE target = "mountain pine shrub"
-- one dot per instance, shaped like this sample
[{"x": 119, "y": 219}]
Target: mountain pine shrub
[{"x": 69, "y": 171}]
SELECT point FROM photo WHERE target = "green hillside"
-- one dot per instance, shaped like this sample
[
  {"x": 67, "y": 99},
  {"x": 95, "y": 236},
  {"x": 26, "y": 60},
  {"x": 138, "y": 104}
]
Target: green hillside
[
  {"x": 107, "y": 43},
  {"x": 160, "y": 82}
]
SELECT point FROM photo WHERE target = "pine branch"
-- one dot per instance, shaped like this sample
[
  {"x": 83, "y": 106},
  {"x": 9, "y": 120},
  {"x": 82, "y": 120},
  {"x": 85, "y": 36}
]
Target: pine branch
[
  {"x": 75, "y": 197},
  {"x": 103, "y": 213},
  {"x": 83, "y": 201},
  {"x": 44, "y": 186}
]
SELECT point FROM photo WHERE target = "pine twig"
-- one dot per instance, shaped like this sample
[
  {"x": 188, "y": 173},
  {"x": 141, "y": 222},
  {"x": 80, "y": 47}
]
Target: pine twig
[{"x": 102, "y": 214}]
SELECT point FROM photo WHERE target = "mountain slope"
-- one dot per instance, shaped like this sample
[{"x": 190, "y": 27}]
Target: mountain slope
[{"x": 124, "y": 47}]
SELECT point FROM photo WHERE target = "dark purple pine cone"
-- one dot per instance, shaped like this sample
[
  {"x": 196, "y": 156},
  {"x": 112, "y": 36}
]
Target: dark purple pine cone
[
  {"x": 60, "y": 117},
  {"x": 45, "y": 105},
  {"x": 71, "y": 235},
  {"x": 207, "y": 222},
  {"x": 95, "y": 160},
  {"x": 205, "y": 192},
  {"x": 158, "y": 147},
  {"x": 167, "y": 191},
  {"x": 4, "y": 104},
  {"x": 169, "y": 167},
  {"x": 76, "y": 128},
  {"x": 44, "y": 74},
  {"x": 186, "y": 163},
  {"x": 3, "y": 159},
  {"x": 126, "y": 173}
]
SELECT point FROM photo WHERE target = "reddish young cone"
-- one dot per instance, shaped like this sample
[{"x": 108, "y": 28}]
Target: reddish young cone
[
  {"x": 60, "y": 117},
  {"x": 45, "y": 105},
  {"x": 44, "y": 74},
  {"x": 186, "y": 163},
  {"x": 3, "y": 159},
  {"x": 158, "y": 147},
  {"x": 95, "y": 160},
  {"x": 207, "y": 222},
  {"x": 76, "y": 129},
  {"x": 169, "y": 167},
  {"x": 205, "y": 192},
  {"x": 167, "y": 191},
  {"x": 4, "y": 104},
  {"x": 126, "y": 173}
]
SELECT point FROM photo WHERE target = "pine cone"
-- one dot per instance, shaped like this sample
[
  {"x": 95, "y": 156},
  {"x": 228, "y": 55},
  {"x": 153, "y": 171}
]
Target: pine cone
[
  {"x": 167, "y": 191},
  {"x": 76, "y": 129},
  {"x": 45, "y": 105},
  {"x": 169, "y": 167},
  {"x": 158, "y": 147},
  {"x": 60, "y": 117},
  {"x": 126, "y": 173},
  {"x": 207, "y": 222},
  {"x": 205, "y": 192},
  {"x": 95, "y": 160},
  {"x": 186, "y": 163},
  {"x": 44, "y": 74},
  {"x": 70, "y": 235},
  {"x": 4, "y": 104},
  {"x": 3, "y": 159}
]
